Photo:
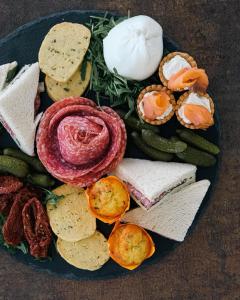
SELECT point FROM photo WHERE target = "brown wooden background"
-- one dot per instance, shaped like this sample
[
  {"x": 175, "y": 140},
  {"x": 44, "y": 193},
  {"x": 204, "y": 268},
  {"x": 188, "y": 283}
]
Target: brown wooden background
[{"x": 207, "y": 264}]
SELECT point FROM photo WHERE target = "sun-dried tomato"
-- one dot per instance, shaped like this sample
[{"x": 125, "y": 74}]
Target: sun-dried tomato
[
  {"x": 6, "y": 201},
  {"x": 36, "y": 228},
  {"x": 9, "y": 184},
  {"x": 13, "y": 232}
]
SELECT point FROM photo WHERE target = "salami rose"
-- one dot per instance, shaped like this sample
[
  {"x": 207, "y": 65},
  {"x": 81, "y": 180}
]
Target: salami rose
[
  {"x": 78, "y": 142},
  {"x": 36, "y": 228}
]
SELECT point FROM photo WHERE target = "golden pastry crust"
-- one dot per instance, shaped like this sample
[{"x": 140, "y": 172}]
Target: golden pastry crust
[
  {"x": 157, "y": 88},
  {"x": 129, "y": 245},
  {"x": 108, "y": 199},
  {"x": 180, "y": 102},
  {"x": 167, "y": 58}
]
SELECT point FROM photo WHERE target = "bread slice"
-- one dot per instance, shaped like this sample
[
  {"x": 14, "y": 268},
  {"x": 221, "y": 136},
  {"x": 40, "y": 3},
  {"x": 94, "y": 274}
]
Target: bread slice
[
  {"x": 173, "y": 217},
  {"x": 5, "y": 73},
  {"x": 17, "y": 107},
  {"x": 149, "y": 181}
]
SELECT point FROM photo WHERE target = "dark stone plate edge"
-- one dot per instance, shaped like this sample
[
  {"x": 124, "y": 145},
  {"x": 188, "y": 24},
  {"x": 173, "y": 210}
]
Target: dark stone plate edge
[{"x": 70, "y": 276}]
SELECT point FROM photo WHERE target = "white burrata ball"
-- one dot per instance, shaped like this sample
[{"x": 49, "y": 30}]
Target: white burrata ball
[{"x": 134, "y": 47}]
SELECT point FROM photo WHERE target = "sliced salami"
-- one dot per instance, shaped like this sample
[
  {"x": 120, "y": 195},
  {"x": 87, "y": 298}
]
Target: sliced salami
[{"x": 78, "y": 142}]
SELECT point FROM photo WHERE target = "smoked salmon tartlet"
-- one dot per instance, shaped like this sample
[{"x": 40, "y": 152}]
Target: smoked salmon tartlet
[
  {"x": 156, "y": 104},
  {"x": 195, "y": 110},
  {"x": 178, "y": 71}
]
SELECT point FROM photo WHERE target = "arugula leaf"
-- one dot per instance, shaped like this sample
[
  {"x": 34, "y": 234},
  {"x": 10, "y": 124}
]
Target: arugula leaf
[
  {"x": 23, "y": 247},
  {"x": 84, "y": 69},
  {"x": 51, "y": 197}
]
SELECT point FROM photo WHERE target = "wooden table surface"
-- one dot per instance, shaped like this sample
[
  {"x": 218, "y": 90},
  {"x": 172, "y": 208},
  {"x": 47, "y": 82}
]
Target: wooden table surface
[{"x": 207, "y": 264}]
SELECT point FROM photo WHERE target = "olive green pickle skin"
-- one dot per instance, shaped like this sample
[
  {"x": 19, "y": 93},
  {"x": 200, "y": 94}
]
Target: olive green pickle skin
[
  {"x": 162, "y": 144},
  {"x": 135, "y": 124},
  {"x": 151, "y": 152},
  {"x": 198, "y": 141},
  {"x": 41, "y": 180},
  {"x": 13, "y": 166},
  {"x": 197, "y": 157},
  {"x": 34, "y": 162},
  {"x": 194, "y": 156}
]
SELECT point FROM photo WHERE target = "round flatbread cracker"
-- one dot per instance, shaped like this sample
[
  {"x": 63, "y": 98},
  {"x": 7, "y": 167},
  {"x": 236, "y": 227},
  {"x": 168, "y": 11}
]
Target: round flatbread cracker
[
  {"x": 63, "y": 49},
  {"x": 66, "y": 189},
  {"x": 70, "y": 218},
  {"x": 74, "y": 87},
  {"x": 88, "y": 254}
]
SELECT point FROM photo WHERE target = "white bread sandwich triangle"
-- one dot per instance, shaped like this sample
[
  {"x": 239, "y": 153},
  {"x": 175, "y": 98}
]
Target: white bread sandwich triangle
[
  {"x": 173, "y": 217},
  {"x": 5, "y": 73},
  {"x": 149, "y": 181},
  {"x": 17, "y": 107}
]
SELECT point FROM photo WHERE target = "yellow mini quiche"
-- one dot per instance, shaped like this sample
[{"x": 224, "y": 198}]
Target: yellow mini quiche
[
  {"x": 130, "y": 245},
  {"x": 108, "y": 199}
]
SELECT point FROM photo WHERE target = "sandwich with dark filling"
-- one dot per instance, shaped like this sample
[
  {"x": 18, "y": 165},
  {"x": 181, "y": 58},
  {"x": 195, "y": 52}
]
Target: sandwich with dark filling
[
  {"x": 17, "y": 106},
  {"x": 7, "y": 72},
  {"x": 150, "y": 181}
]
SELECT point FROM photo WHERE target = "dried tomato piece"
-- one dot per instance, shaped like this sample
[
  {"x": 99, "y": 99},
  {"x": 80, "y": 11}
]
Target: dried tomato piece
[
  {"x": 36, "y": 228},
  {"x": 9, "y": 184},
  {"x": 13, "y": 232},
  {"x": 6, "y": 201}
]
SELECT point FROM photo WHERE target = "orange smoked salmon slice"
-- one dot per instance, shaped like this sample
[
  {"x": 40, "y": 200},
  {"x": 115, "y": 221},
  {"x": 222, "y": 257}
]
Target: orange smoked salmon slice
[
  {"x": 198, "y": 115},
  {"x": 193, "y": 78},
  {"x": 155, "y": 105}
]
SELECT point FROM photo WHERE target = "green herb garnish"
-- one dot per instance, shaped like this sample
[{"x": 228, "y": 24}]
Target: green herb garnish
[
  {"x": 22, "y": 246},
  {"x": 83, "y": 69},
  {"x": 106, "y": 85},
  {"x": 51, "y": 197}
]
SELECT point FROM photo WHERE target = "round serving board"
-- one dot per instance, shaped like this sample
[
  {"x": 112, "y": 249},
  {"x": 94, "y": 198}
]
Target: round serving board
[{"x": 23, "y": 46}]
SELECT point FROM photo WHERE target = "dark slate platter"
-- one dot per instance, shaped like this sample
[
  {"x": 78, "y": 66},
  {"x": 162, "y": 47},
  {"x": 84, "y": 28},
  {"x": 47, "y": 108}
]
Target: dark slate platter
[{"x": 22, "y": 46}]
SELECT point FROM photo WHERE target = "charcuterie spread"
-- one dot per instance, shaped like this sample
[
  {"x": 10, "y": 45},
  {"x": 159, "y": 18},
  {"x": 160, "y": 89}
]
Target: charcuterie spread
[{"x": 113, "y": 86}]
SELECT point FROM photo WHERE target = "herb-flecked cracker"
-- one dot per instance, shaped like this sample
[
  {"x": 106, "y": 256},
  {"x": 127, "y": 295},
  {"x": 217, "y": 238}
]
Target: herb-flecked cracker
[
  {"x": 74, "y": 87},
  {"x": 88, "y": 254},
  {"x": 70, "y": 218},
  {"x": 63, "y": 49}
]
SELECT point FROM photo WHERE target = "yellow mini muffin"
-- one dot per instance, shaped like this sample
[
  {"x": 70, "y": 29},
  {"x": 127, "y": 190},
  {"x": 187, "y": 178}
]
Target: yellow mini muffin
[
  {"x": 108, "y": 199},
  {"x": 130, "y": 245}
]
